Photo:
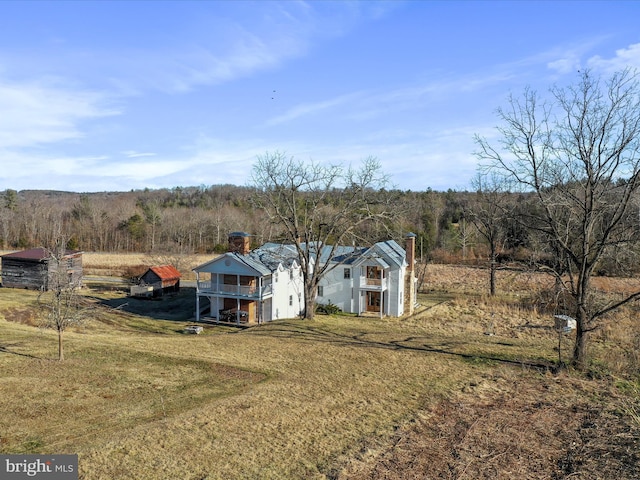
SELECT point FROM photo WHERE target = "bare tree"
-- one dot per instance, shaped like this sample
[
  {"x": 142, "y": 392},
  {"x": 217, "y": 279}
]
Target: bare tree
[
  {"x": 488, "y": 211},
  {"x": 318, "y": 208},
  {"x": 579, "y": 155},
  {"x": 60, "y": 297},
  {"x": 153, "y": 216}
]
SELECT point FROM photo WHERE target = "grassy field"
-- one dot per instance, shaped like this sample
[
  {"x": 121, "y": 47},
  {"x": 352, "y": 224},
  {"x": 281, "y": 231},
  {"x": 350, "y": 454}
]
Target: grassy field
[{"x": 464, "y": 389}]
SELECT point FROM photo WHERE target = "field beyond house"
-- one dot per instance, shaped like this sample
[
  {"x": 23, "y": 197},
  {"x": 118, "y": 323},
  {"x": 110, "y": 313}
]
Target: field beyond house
[{"x": 466, "y": 388}]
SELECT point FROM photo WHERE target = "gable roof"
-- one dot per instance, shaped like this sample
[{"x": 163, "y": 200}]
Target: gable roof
[
  {"x": 264, "y": 260},
  {"x": 229, "y": 258},
  {"x": 253, "y": 262},
  {"x": 385, "y": 253},
  {"x": 267, "y": 258},
  {"x": 37, "y": 254},
  {"x": 391, "y": 251},
  {"x": 272, "y": 255},
  {"x": 346, "y": 255},
  {"x": 166, "y": 272}
]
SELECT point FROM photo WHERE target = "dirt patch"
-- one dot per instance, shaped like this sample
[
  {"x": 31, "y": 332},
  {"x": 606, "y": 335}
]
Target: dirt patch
[
  {"x": 24, "y": 316},
  {"x": 548, "y": 429}
]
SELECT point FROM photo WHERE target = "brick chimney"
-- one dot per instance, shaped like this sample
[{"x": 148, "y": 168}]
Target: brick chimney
[
  {"x": 410, "y": 296},
  {"x": 239, "y": 242}
]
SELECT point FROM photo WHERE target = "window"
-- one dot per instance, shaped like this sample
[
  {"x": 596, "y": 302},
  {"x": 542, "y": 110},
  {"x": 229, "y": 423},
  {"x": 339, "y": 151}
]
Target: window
[
  {"x": 347, "y": 273},
  {"x": 290, "y": 300},
  {"x": 320, "y": 291},
  {"x": 291, "y": 274}
]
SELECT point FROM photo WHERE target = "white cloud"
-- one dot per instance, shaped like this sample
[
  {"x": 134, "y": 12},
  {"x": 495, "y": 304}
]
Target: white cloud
[
  {"x": 568, "y": 64},
  {"x": 259, "y": 37},
  {"x": 135, "y": 154},
  {"x": 370, "y": 104},
  {"x": 624, "y": 57},
  {"x": 244, "y": 54},
  {"x": 35, "y": 113},
  {"x": 307, "y": 109}
]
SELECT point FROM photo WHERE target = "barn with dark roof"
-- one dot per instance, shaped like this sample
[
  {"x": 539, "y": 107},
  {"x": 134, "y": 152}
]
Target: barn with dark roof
[{"x": 35, "y": 268}]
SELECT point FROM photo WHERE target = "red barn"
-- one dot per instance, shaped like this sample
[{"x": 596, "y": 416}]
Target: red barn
[{"x": 163, "y": 279}]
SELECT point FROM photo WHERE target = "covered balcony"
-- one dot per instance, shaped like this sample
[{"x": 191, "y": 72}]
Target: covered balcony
[
  {"x": 373, "y": 278},
  {"x": 235, "y": 286}
]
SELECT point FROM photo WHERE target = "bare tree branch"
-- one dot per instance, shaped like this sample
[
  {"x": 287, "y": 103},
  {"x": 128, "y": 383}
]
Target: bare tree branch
[{"x": 578, "y": 154}]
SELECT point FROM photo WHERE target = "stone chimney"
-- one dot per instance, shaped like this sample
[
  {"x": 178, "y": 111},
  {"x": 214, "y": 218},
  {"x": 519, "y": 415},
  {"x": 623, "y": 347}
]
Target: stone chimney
[
  {"x": 410, "y": 296},
  {"x": 239, "y": 242}
]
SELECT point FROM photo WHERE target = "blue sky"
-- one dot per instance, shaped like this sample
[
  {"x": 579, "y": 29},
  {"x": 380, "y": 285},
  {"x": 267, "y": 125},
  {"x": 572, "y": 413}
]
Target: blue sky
[{"x": 117, "y": 95}]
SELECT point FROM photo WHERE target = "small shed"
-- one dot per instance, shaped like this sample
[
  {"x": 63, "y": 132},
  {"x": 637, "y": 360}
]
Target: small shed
[
  {"x": 157, "y": 281},
  {"x": 35, "y": 268}
]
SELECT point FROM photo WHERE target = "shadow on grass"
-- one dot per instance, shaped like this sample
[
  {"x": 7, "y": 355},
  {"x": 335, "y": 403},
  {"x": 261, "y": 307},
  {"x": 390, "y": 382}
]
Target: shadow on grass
[
  {"x": 178, "y": 307},
  {"x": 6, "y": 349},
  {"x": 311, "y": 332}
]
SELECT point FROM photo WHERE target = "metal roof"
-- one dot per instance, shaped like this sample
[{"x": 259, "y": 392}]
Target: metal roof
[
  {"x": 346, "y": 255},
  {"x": 388, "y": 250},
  {"x": 269, "y": 256},
  {"x": 273, "y": 254},
  {"x": 246, "y": 260},
  {"x": 166, "y": 272},
  {"x": 253, "y": 261},
  {"x": 391, "y": 251}
]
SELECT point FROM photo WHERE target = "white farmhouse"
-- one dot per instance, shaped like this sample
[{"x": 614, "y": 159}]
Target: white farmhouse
[
  {"x": 255, "y": 286},
  {"x": 250, "y": 286},
  {"x": 378, "y": 279}
]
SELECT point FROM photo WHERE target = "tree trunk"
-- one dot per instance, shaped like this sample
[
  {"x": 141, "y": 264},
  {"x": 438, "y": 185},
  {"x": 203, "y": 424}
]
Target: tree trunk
[
  {"x": 60, "y": 349},
  {"x": 580, "y": 348},
  {"x": 579, "y": 360},
  {"x": 492, "y": 272},
  {"x": 310, "y": 302}
]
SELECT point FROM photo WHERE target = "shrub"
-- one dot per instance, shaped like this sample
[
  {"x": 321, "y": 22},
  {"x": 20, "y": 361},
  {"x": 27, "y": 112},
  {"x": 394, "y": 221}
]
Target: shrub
[{"x": 327, "y": 308}]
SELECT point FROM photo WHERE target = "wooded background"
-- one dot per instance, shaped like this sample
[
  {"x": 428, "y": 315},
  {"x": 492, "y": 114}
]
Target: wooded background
[{"x": 197, "y": 220}]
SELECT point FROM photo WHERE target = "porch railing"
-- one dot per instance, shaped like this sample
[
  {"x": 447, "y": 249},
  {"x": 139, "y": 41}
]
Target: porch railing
[
  {"x": 249, "y": 291},
  {"x": 374, "y": 283}
]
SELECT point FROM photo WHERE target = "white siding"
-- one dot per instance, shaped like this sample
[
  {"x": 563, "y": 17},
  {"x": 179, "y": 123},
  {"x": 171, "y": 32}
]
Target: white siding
[
  {"x": 286, "y": 287},
  {"x": 337, "y": 289},
  {"x": 267, "y": 311},
  {"x": 396, "y": 293}
]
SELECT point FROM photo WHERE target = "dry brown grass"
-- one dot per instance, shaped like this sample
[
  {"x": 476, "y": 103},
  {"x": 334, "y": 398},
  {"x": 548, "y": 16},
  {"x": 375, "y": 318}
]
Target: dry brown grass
[
  {"x": 122, "y": 264},
  {"x": 475, "y": 281},
  {"x": 460, "y": 390},
  {"x": 135, "y": 405},
  {"x": 511, "y": 426}
]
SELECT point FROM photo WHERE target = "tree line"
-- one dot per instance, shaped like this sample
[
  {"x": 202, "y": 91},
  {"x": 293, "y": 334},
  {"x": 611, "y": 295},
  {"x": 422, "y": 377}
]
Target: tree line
[
  {"x": 197, "y": 220},
  {"x": 450, "y": 226}
]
